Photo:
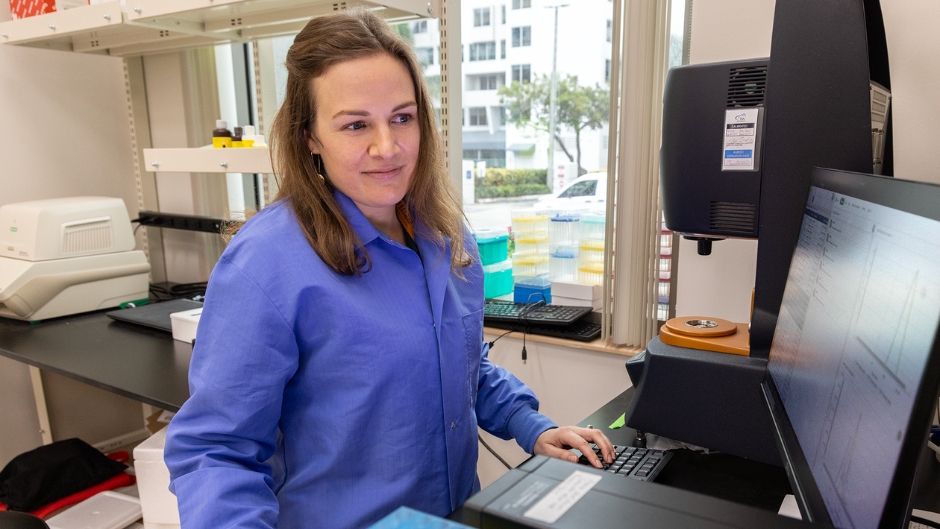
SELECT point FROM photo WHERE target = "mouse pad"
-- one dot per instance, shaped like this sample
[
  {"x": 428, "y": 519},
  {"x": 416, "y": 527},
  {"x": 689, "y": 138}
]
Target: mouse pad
[{"x": 154, "y": 315}]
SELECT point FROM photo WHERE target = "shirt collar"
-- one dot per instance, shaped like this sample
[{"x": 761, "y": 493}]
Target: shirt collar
[{"x": 360, "y": 224}]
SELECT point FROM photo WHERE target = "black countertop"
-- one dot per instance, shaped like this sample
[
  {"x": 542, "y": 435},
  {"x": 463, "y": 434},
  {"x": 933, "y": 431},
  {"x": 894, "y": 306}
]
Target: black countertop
[{"x": 137, "y": 362}]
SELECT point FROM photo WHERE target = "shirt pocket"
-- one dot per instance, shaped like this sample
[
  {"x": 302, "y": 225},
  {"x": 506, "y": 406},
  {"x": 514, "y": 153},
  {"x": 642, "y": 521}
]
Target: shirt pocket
[{"x": 473, "y": 346}]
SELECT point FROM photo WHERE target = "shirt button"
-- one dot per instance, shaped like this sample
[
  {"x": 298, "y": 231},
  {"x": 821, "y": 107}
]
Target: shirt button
[{"x": 453, "y": 425}]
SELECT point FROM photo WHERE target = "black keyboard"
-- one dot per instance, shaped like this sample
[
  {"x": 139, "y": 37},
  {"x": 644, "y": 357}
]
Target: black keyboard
[
  {"x": 532, "y": 314},
  {"x": 643, "y": 464},
  {"x": 581, "y": 330}
]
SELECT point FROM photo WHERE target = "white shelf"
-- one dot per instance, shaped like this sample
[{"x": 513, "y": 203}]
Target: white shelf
[
  {"x": 154, "y": 26},
  {"x": 208, "y": 160}
]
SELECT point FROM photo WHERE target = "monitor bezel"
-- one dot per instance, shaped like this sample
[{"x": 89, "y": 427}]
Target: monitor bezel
[{"x": 921, "y": 199}]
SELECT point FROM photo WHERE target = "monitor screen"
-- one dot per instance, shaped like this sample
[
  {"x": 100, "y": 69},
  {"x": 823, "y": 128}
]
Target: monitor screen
[{"x": 854, "y": 339}]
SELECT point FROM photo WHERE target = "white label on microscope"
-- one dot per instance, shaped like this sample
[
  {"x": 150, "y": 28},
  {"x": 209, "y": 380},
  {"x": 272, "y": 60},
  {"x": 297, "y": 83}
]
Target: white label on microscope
[
  {"x": 557, "y": 502},
  {"x": 739, "y": 152}
]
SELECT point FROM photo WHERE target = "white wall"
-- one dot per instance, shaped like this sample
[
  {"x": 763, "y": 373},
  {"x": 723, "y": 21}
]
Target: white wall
[
  {"x": 912, "y": 28},
  {"x": 722, "y": 30},
  {"x": 64, "y": 132}
]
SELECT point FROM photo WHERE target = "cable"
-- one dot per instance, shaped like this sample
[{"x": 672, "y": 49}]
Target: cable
[
  {"x": 524, "y": 316},
  {"x": 498, "y": 337},
  {"x": 490, "y": 450},
  {"x": 183, "y": 290}
]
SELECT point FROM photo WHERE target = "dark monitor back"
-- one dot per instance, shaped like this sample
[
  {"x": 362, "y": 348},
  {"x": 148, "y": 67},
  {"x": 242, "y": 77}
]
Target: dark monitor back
[{"x": 854, "y": 368}]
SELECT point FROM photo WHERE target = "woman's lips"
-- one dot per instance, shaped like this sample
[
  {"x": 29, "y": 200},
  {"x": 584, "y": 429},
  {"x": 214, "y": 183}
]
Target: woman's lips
[{"x": 384, "y": 173}]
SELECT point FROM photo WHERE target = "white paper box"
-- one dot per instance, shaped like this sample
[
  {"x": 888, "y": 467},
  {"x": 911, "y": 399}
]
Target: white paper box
[
  {"x": 576, "y": 291},
  {"x": 575, "y": 302},
  {"x": 153, "y": 481},
  {"x": 184, "y": 324}
]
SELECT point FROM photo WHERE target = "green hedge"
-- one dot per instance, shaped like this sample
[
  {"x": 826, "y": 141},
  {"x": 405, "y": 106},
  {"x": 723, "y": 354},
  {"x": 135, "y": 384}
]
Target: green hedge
[{"x": 500, "y": 182}]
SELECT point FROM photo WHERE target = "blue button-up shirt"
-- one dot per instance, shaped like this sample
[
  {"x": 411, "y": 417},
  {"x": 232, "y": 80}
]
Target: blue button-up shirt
[{"x": 324, "y": 400}]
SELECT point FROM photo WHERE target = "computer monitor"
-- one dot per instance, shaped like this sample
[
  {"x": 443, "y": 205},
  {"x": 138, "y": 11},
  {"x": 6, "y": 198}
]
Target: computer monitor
[{"x": 854, "y": 367}]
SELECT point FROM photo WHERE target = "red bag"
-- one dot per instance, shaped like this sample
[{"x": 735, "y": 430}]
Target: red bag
[{"x": 29, "y": 8}]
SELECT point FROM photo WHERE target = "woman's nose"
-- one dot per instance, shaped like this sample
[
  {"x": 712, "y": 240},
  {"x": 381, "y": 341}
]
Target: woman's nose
[{"x": 383, "y": 142}]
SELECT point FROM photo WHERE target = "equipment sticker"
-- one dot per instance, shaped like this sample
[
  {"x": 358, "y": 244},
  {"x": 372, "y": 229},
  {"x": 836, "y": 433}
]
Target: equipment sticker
[
  {"x": 740, "y": 143},
  {"x": 557, "y": 502}
]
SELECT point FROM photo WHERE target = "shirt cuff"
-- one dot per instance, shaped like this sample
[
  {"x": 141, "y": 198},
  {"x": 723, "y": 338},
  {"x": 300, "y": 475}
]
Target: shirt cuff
[{"x": 525, "y": 425}]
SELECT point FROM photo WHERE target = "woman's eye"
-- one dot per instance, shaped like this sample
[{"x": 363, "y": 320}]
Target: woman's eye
[
  {"x": 403, "y": 118},
  {"x": 356, "y": 126}
]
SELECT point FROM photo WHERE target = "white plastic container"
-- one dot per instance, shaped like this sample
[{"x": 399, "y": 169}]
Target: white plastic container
[
  {"x": 563, "y": 263},
  {"x": 105, "y": 510},
  {"x": 184, "y": 324},
  {"x": 153, "y": 481}
]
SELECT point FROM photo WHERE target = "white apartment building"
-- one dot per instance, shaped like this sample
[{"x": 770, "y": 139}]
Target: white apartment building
[{"x": 510, "y": 40}]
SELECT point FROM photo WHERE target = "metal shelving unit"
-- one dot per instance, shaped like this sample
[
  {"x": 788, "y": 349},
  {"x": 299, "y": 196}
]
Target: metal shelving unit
[{"x": 142, "y": 27}]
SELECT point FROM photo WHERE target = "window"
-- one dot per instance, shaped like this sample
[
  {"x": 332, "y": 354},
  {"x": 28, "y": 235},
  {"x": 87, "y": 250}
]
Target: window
[
  {"x": 501, "y": 111},
  {"x": 502, "y": 14},
  {"x": 486, "y": 82},
  {"x": 521, "y": 4},
  {"x": 420, "y": 26},
  {"x": 477, "y": 116},
  {"x": 607, "y": 70},
  {"x": 482, "y": 51},
  {"x": 502, "y": 49},
  {"x": 586, "y": 188},
  {"x": 522, "y": 36},
  {"x": 610, "y": 30},
  {"x": 521, "y": 73},
  {"x": 481, "y": 17},
  {"x": 425, "y": 56}
]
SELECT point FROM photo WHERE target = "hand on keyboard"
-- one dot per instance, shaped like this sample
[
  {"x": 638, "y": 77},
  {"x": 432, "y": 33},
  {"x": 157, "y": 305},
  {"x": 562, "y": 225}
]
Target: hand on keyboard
[
  {"x": 555, "y": 443},
  {"x": 638, "y": 463}
]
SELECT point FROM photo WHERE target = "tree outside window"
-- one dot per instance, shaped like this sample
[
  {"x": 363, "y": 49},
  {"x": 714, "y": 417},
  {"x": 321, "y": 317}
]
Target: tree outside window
[{"x": 579, "y": 108}]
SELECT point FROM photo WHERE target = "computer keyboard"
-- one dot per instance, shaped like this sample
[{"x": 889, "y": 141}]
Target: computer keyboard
[
  {"x": 581, "y": 330},
  {"x": 638, "y": 463},
  {"x": 533, "y": 314}
]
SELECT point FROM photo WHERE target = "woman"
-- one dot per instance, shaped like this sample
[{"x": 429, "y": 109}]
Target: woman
[{"x": 340, "y": 370}]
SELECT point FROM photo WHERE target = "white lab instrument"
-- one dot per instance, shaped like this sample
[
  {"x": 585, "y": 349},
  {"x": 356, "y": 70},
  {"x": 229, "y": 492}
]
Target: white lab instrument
[{"x": 68, "y": 255}]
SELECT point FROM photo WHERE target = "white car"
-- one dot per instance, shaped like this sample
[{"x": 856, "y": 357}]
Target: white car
[{"x": 585, "y": 192}]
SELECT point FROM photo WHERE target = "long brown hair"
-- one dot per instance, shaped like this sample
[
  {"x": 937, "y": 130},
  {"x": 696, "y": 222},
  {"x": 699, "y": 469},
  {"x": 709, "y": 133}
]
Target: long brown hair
[{"x": 325, "y": 42}]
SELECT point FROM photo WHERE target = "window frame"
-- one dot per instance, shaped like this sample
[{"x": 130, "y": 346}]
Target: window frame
[{"x": 521, "y": 36}]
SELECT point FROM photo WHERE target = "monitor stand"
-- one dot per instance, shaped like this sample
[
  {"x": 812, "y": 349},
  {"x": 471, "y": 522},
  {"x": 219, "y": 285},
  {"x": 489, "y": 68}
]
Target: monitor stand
[{"x": 704, "y": 398}]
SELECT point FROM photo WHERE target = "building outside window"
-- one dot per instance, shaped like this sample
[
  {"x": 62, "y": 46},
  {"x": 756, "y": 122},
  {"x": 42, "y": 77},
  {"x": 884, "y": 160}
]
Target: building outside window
[
  {"x": 481, "y": 17},
  {"x": 477, "y": 116},
  {"x": 425, "y": 56},
  {"x": 521, "y": 36},
  {"x": 420, "y": 26},
  {"x": 483, "y": 51},
  {"x": 522, "y": 73}
]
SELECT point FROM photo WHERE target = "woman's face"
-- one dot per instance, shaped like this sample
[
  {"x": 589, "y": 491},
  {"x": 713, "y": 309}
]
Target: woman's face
[{"x": 367, "y": 130}]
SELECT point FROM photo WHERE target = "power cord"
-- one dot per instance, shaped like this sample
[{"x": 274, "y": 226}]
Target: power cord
[
  {"x": 182, "y": 290},
  {"x": 524, "y": 316},
  {"x": 490, "y": 450}
]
